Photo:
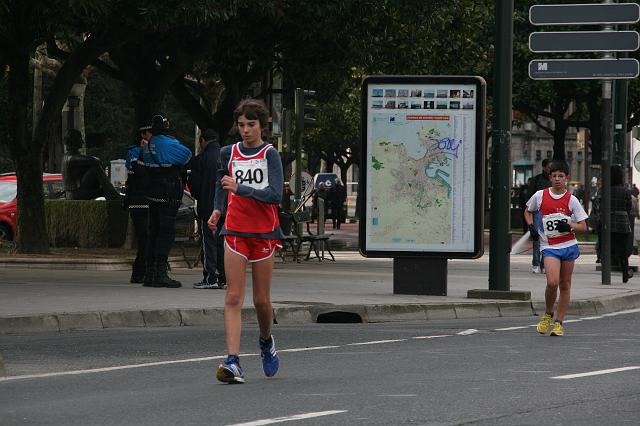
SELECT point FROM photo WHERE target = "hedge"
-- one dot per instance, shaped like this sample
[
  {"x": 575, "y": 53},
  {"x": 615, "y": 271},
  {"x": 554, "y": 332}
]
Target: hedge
[{"x": 86, "y": 223}]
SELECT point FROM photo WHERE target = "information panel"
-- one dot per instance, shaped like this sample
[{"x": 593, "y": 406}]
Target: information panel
[{"x": 422, "y": 171}]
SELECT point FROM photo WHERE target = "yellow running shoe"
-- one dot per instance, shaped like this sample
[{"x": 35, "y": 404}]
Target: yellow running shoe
[
  {"x": 558, "y": 329},
  {"x": 545, "y": 322}
]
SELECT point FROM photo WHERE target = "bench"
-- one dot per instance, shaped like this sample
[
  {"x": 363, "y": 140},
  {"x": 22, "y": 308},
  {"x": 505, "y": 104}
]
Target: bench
[{"x": 317, "y": 243}]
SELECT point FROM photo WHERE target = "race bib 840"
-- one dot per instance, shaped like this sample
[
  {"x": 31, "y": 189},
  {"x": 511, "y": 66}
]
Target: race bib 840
[{"x": 253, "y": 173}]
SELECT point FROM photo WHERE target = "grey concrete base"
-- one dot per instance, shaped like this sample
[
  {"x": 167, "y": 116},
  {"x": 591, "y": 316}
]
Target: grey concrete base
[{"x": 498, "y": 294}]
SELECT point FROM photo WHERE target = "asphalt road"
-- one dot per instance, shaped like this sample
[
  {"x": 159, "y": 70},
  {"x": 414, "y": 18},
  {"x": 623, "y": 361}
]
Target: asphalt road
[{"x": 480, "y": 372}]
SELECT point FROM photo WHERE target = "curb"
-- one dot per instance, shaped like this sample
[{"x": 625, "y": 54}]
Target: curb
[{"x": 91, "y": 321}]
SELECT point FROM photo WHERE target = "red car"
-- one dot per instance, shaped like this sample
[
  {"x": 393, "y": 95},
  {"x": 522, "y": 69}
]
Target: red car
[{"x": 53, "y": 189}]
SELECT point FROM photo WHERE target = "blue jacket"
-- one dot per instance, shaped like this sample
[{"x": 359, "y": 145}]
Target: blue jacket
[{"x": 164, "y": 151}]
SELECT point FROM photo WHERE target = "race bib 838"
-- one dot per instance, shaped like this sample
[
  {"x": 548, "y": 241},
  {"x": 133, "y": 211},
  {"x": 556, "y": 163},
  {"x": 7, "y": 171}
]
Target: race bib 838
[{"x": 550, "y": 224}]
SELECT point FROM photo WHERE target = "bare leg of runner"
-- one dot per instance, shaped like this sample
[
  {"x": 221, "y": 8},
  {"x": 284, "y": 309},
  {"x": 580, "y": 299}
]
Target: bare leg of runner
[
  {"x": 566, "y": 269},
  {"x": 262, "y": 272},
  {"x": 234, "y": 266},
  {"x": 552, "y": 270}
]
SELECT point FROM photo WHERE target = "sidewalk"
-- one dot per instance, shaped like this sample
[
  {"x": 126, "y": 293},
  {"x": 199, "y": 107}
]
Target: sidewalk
[{"x": 351, "y": 288}]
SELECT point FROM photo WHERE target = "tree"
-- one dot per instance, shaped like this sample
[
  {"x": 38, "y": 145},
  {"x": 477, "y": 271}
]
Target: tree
[{"x": 88, "y": 28}]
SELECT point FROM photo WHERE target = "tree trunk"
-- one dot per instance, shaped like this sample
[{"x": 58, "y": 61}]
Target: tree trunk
[
  {"x": 31, "y": 234},
  {"x": 559, "y": 136},
  {"x": 202, "y": 117}
]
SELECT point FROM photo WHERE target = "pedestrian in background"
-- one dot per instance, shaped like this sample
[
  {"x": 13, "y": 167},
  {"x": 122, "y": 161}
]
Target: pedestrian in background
[
  {"x": 337, "y": 197},
  {"x": 136, "y": 202},
  {"x": 253, "y": 181},
  {"x": 560, "y": 214},
  {"x": 202, "y": 185},
  {"x": 539, "y": 182},
  {"x": 621, "y": 217},
  {"x": 164, "y": 159}
]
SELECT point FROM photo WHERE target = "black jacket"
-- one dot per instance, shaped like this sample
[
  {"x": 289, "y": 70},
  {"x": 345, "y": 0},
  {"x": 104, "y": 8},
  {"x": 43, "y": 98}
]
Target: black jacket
[{"x": 202, "y": 180}]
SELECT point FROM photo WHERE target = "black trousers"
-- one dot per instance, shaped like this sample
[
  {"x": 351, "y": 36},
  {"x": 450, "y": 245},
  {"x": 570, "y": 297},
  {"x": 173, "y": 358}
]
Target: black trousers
[
  {"x": 140, "y": 219},
  {"x": 162, "y": 230},
  {"x": 212, "y": 251}
]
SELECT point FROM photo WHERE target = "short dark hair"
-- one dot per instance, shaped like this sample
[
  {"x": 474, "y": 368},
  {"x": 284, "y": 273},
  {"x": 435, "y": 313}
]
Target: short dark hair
[
  {"x": 545, "y": 162},
  {"x": 209, "y": 135},
  {"x": 559, "y": 166},
  {"x": 252, "y": 109}
]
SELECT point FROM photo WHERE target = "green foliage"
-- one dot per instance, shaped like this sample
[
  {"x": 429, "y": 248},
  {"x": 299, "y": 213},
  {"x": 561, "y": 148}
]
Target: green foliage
[
  {"x": 89, "y": 223},
  {"x": 110, "y": 125}
]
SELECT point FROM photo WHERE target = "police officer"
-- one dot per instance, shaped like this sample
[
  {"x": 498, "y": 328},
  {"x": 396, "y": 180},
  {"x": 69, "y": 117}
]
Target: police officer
[
  {"x": 136, "y": 201},
  {"x": 164, "y": 158}
]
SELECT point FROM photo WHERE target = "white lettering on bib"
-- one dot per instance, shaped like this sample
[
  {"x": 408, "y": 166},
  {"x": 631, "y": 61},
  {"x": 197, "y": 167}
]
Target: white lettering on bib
[
  {"x": 550, "y": 224},
  {"x": 253, "y": 173}
]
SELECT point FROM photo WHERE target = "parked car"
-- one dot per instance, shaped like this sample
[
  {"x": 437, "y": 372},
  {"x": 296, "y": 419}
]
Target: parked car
[{"x": 53, "y": 190}]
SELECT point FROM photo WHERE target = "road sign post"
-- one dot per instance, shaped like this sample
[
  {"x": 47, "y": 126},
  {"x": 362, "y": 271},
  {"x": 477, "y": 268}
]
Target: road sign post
[
  {"x": 584, "y": 41},
  {"x": 584, "y": 14},
  {"x": 606, "y": 69}
]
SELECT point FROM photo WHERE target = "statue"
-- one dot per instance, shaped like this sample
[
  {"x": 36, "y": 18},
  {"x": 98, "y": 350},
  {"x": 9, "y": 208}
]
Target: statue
[{"x": 83, "y": 176}]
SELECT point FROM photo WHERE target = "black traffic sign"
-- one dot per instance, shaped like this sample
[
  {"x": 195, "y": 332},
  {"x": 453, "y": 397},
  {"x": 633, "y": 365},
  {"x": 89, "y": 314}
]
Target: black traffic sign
[
  {"x": 583, "y": 69},
  {"x": 584, "y": 41},
  {"x": 584, "y": 14}
]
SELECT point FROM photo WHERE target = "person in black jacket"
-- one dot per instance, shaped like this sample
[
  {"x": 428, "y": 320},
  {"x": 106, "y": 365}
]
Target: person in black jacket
[
  {"x": 202, "y": 184},
  {"x": 137, "y": 203},
  {"x": 538, "y": 182}
]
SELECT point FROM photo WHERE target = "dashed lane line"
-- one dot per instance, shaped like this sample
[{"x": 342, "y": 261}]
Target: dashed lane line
[
  {"x": 290, "y": 418},
  {"x": 191, "y": 360},
  {"x": 596, "y": 373}
]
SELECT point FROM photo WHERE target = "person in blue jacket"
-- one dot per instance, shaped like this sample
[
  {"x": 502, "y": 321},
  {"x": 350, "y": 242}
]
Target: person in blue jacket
[{"x": 164, "y": 158}]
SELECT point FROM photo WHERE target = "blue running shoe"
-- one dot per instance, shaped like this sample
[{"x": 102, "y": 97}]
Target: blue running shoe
[
  {"x": 230, "y": 371},
  {"x": 269, "y": 355}
]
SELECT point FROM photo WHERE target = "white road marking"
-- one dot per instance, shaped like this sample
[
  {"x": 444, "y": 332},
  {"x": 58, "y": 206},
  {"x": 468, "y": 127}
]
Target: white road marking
[
  {"x": 190, "y": 360},
  {"x": 432, "y": 337},
  {"x": 376, "y": 342},
  {"x": 592, "y": 318},
  {"x": 290, "y": 418},
  {"x": 314, "y": 348},
  {"x": 116, "y": 368},
  {"x": 596, "y": 373},
  {"x": 573, "y": 320}
]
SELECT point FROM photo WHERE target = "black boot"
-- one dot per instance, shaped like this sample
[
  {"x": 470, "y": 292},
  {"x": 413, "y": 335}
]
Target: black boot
[
  {"x": 624, "y": 264},
  {"x": 149, "y": 274},
  {"x": 161, "y": 279},
  {"x": 137, "y": 273}
]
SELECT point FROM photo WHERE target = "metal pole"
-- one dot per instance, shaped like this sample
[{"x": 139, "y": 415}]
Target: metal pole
[
  {"x": 299, "y": 118},
  {"x": 500, "y": 239},
  {"x": 605, "y": 204}
]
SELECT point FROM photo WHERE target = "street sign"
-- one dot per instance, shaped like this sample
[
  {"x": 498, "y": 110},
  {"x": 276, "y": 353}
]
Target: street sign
[
  {"x": 583, "y": 69},
  {"x": 584, "y": 14},
  {"x": 584, "y": 41}
]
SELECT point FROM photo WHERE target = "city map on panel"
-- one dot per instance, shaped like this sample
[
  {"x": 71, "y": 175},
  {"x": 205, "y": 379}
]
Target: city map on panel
[{"x": 421, "y": 168}]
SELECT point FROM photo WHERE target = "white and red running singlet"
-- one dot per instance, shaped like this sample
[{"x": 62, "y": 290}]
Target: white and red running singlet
[{"x": 246, "y": 214}]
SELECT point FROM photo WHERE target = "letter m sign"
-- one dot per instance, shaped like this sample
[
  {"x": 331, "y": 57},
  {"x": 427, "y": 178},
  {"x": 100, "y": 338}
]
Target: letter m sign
[{"x": 542, "y": 66}]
